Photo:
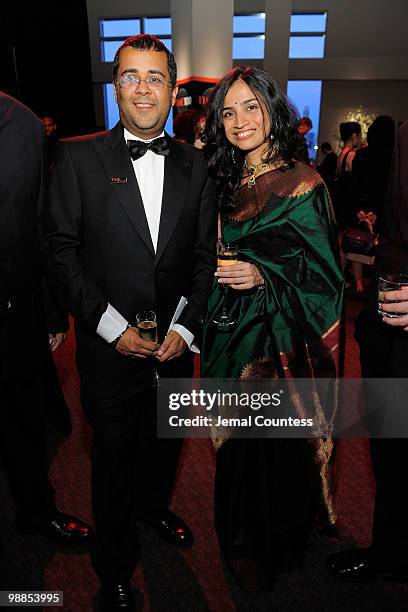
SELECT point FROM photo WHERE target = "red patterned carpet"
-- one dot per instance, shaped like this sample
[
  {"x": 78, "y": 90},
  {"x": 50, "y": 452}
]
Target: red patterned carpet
[{"x": 195, "y": 580}]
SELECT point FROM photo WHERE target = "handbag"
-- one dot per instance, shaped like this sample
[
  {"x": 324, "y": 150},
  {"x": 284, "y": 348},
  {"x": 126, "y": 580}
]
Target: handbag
[{"x": 358, "y": 241}]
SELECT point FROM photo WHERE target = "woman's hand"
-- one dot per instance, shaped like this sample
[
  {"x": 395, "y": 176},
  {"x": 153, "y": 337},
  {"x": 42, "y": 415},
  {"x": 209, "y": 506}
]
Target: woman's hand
[
  {"x": 240, "y": 276},
  {"x": 398, "y": 305}
]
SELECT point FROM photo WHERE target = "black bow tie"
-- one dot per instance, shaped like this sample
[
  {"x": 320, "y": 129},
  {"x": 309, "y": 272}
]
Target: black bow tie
[{"x": 137, "y": 148}]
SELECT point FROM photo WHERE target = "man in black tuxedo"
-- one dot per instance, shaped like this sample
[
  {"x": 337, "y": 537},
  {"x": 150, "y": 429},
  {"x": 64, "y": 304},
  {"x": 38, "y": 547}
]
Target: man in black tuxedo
[
  {"x": 131, "y": 226},
  {"x": 23, "y": 328},
  {"x": 384, "y": 354}
]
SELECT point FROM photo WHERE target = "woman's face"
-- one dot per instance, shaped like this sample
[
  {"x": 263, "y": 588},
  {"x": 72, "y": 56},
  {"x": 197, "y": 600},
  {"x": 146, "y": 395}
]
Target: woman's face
[{"x": 243, "y": 119}]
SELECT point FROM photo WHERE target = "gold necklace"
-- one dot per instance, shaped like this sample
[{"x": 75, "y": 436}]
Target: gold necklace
[{"x": 254, "y": 170}]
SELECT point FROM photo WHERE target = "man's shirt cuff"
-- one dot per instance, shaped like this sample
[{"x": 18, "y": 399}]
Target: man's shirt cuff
[
  {"x": 111, "y": 324},
  {"x": 187, "y": 336}
]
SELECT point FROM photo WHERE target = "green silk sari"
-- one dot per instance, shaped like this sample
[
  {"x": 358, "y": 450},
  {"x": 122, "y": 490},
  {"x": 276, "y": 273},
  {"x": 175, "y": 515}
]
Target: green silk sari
[{"x": 291, "y": 327}]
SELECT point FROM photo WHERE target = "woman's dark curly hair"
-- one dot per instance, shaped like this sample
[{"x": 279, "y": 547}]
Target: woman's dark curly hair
[{"x": 226, "y": 161}]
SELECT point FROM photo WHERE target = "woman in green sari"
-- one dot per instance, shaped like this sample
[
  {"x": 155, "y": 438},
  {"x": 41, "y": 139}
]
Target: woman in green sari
[{"x": 286, "y": 297}]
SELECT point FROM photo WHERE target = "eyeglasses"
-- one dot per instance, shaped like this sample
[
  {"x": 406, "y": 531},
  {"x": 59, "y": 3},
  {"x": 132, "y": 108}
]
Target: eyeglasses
[{"x": 152, "y": 82}]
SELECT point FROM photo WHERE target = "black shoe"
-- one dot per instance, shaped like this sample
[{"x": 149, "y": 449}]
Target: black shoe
[
  {"x": 116, "y": 597},
  {"x": 171, "y": 529},
  {"x": 64, "y": 529},
  {"x": 359, "y": 565}
]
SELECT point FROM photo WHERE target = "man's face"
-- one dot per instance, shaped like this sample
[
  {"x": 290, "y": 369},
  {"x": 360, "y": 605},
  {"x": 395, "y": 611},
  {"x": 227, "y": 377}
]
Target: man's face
[
  {"x": 143, "y": 109},
  {"x": 356, "y": 140},
  {"x": 49, "y": 126}
]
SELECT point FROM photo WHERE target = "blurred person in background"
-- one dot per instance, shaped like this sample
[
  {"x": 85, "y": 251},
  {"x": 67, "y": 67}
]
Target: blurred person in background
[
  {"x": 344, "y": 199},
  {"x": 304, "y": 126},
  {"x": 383, "y": 344},
  {"x": 371, "y": 172},
  {"x": 183, "y": 126},
  {"x": 51, "y": 137},
  {"x": 28, "y": 317},
  {"x": 56, "y": 408},
  {"x": 199, "y": 129},
  {"x": 328, "y": 166}
]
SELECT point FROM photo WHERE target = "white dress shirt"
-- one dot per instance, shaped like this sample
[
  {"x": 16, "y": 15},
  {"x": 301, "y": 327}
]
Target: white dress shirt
[{"x": 149, "y": 172}]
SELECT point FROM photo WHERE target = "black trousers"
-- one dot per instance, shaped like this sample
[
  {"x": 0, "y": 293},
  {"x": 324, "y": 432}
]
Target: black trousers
[
  {"x": 55, "y": 406},
  {"x": 133, "y": 474},
  {"x": 384, "y": 354},
  {"x": 23, "y": 450}
]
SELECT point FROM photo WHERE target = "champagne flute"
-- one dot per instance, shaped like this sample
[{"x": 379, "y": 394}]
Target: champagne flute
[
  {"x": 146, "y": 325},
  {"x": 227, "y": 256}
]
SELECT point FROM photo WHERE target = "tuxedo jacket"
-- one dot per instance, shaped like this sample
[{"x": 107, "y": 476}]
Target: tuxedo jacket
[
  {"x": 23, "y": 329},
  {"x": 98, "y": 249}
]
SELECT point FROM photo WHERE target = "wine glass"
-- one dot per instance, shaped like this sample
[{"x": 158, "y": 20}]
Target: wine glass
[
  {"x": 146, "y": 325},
  {"x": 227, "y": 255}
]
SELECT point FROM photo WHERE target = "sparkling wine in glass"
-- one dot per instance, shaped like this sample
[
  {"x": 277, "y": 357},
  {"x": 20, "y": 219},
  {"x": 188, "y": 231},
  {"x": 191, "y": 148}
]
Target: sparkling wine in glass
[
  {"x": 227, "y": 255},
  {"x": 147, "y": 330},
  {"x": 146, "y": 325}
]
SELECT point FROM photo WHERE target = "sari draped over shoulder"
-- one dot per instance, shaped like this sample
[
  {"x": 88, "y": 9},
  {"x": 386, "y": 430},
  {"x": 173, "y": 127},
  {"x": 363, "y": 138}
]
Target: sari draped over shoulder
[{"x": 290, "y": 327}]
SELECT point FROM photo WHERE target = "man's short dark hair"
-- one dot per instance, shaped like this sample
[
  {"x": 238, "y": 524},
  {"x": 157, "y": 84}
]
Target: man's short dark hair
[
  {"x": 325, "y": 146},
  {"x": 146, "y": 42}
]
